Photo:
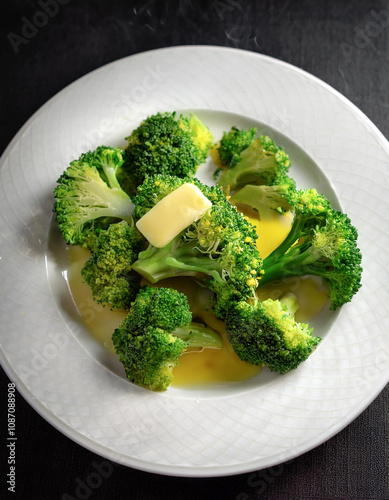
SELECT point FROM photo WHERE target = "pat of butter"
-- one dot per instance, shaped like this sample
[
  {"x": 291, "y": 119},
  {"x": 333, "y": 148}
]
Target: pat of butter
[{"x": 173, "y": 214}]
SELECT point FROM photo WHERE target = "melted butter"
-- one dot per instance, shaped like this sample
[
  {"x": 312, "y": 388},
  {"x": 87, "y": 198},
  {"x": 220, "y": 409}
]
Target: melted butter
[
  {"x": 272, "y": 228},
  {"x": 205, "y": 366}
]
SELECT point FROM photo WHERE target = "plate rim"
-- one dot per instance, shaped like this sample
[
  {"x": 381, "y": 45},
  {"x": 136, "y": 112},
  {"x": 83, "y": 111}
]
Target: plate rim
[{"x": 96, "y": 447}]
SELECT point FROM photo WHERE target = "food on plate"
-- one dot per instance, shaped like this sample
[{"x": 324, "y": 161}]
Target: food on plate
[
  {"x": 88, "y": 196},
  {"x": 227, "y": 152},
  {"x": 261, "y": 162},
  {"x": 218, "y": 249},
  {"x": 190, "y": 268},
  {"x": 108, "y": 271},
  {"x": 266, "y": 333},
  {"x": 321, "y": 242},
  {"x": 156, "y": 332},
  {"x": 172, "y": 214},
  {"x": 165, "y": 144}
]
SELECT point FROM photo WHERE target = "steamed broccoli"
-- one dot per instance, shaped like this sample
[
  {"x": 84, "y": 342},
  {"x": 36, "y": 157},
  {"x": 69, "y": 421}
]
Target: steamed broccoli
[
  {"x": 266, "y": 333},
  {"x": 164, "y": 144},
  {"x": 262, "y": 162},
  {"x": 88, "y": 196},
  {"x": 321, "y": 242},
  {"x": 259, "y": 196},
  {"x": 157, "y": 330},
  {"x": 232, "y": 144},
  {"x": 218, "y": 249},
  {"x": 108, "y": 270}
]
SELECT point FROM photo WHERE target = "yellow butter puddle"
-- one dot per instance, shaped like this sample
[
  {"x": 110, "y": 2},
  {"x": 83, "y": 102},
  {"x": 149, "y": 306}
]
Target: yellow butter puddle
[{"x": 207, "y": 366}]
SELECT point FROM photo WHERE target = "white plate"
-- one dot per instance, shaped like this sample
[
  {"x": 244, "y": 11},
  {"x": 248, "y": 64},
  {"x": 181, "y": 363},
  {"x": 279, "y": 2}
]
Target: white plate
[{"x": 64, "y": 374}]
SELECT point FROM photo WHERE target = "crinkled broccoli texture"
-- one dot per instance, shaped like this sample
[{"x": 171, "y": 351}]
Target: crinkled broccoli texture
[
  {"x": 262, "y": 162},
  {"x": 148, "y": 356},
  {"x": 232, "y": 144},
  {"x": 266, "y": 333},
  {"x": 321, "y": 242},
  {"x": 218, "y": 249},
  {"x": 108, "y": 272},
  {"x": 156, "y": 332},
  {"x": 165, "y": 144},
  {"x": 161, "y": 307},
  {"x": 88, "y": 196}
]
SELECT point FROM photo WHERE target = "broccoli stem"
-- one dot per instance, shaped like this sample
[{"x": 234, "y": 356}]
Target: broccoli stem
[
  {"x": 259, "y": 196},
  {"x": 290, "y": 301},
  {"x": 119, "y": 205},
  {"x": 110, "y": 172},
  {"x": 298, "y": 260},
  {"x": 174, "y": 259},
  {"x": 294, "y": 263},
  {"x": 250, "y": 168},
  {"x": 198, "y": 335},
  {"x": 100, "y": 200}
]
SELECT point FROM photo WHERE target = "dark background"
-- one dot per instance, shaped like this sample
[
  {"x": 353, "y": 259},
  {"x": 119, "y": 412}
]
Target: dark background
[{"x": 346, "y": 44}]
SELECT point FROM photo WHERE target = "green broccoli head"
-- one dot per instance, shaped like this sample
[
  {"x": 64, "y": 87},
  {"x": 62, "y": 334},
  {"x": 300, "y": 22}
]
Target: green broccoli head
[
  {"x": 266, "y": 333},
  {"x": 159, "y": 307},
  {"x": 201, "y": 135},
  {"x": 108, "y": 270},
  {"x": 157, "y": 330},
  {"x": 218, "y": 249},
  {"x": 232, "y": 144},
  {"x": 88, "y": 196},
  {"x": 262, "y": 162},
  {"x": 322, "y": 242},
  {"x": 335, "y": 246},
  {"x": 148, "y": 356},
  {"x": 165, "y": 144}
]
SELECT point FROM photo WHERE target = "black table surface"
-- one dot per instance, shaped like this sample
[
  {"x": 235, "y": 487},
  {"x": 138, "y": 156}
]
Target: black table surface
[{"x": 344, "y": 43}]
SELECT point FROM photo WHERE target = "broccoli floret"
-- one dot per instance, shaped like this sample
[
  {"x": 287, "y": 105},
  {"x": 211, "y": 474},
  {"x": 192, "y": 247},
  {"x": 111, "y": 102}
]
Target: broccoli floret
[
  {"x": 274, "y": 197},
  {"x": 263, "y": 162},
  {"x": 153, "y": 189},
  {"x": 108, "y": 270},
  {"x": 218, "y": 249},
  {"x": 232, "y": 144},
  {"x": 266, "y": 333},
  {"x": 157, "y": 330},
  {"x": 321, "y": 242},
  {"x": 164, "y": 144},
  {"x": 88, "y": 196}
]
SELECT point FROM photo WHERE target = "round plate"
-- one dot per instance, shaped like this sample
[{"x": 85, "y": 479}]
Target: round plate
[{"x": 61, "y": 371}]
